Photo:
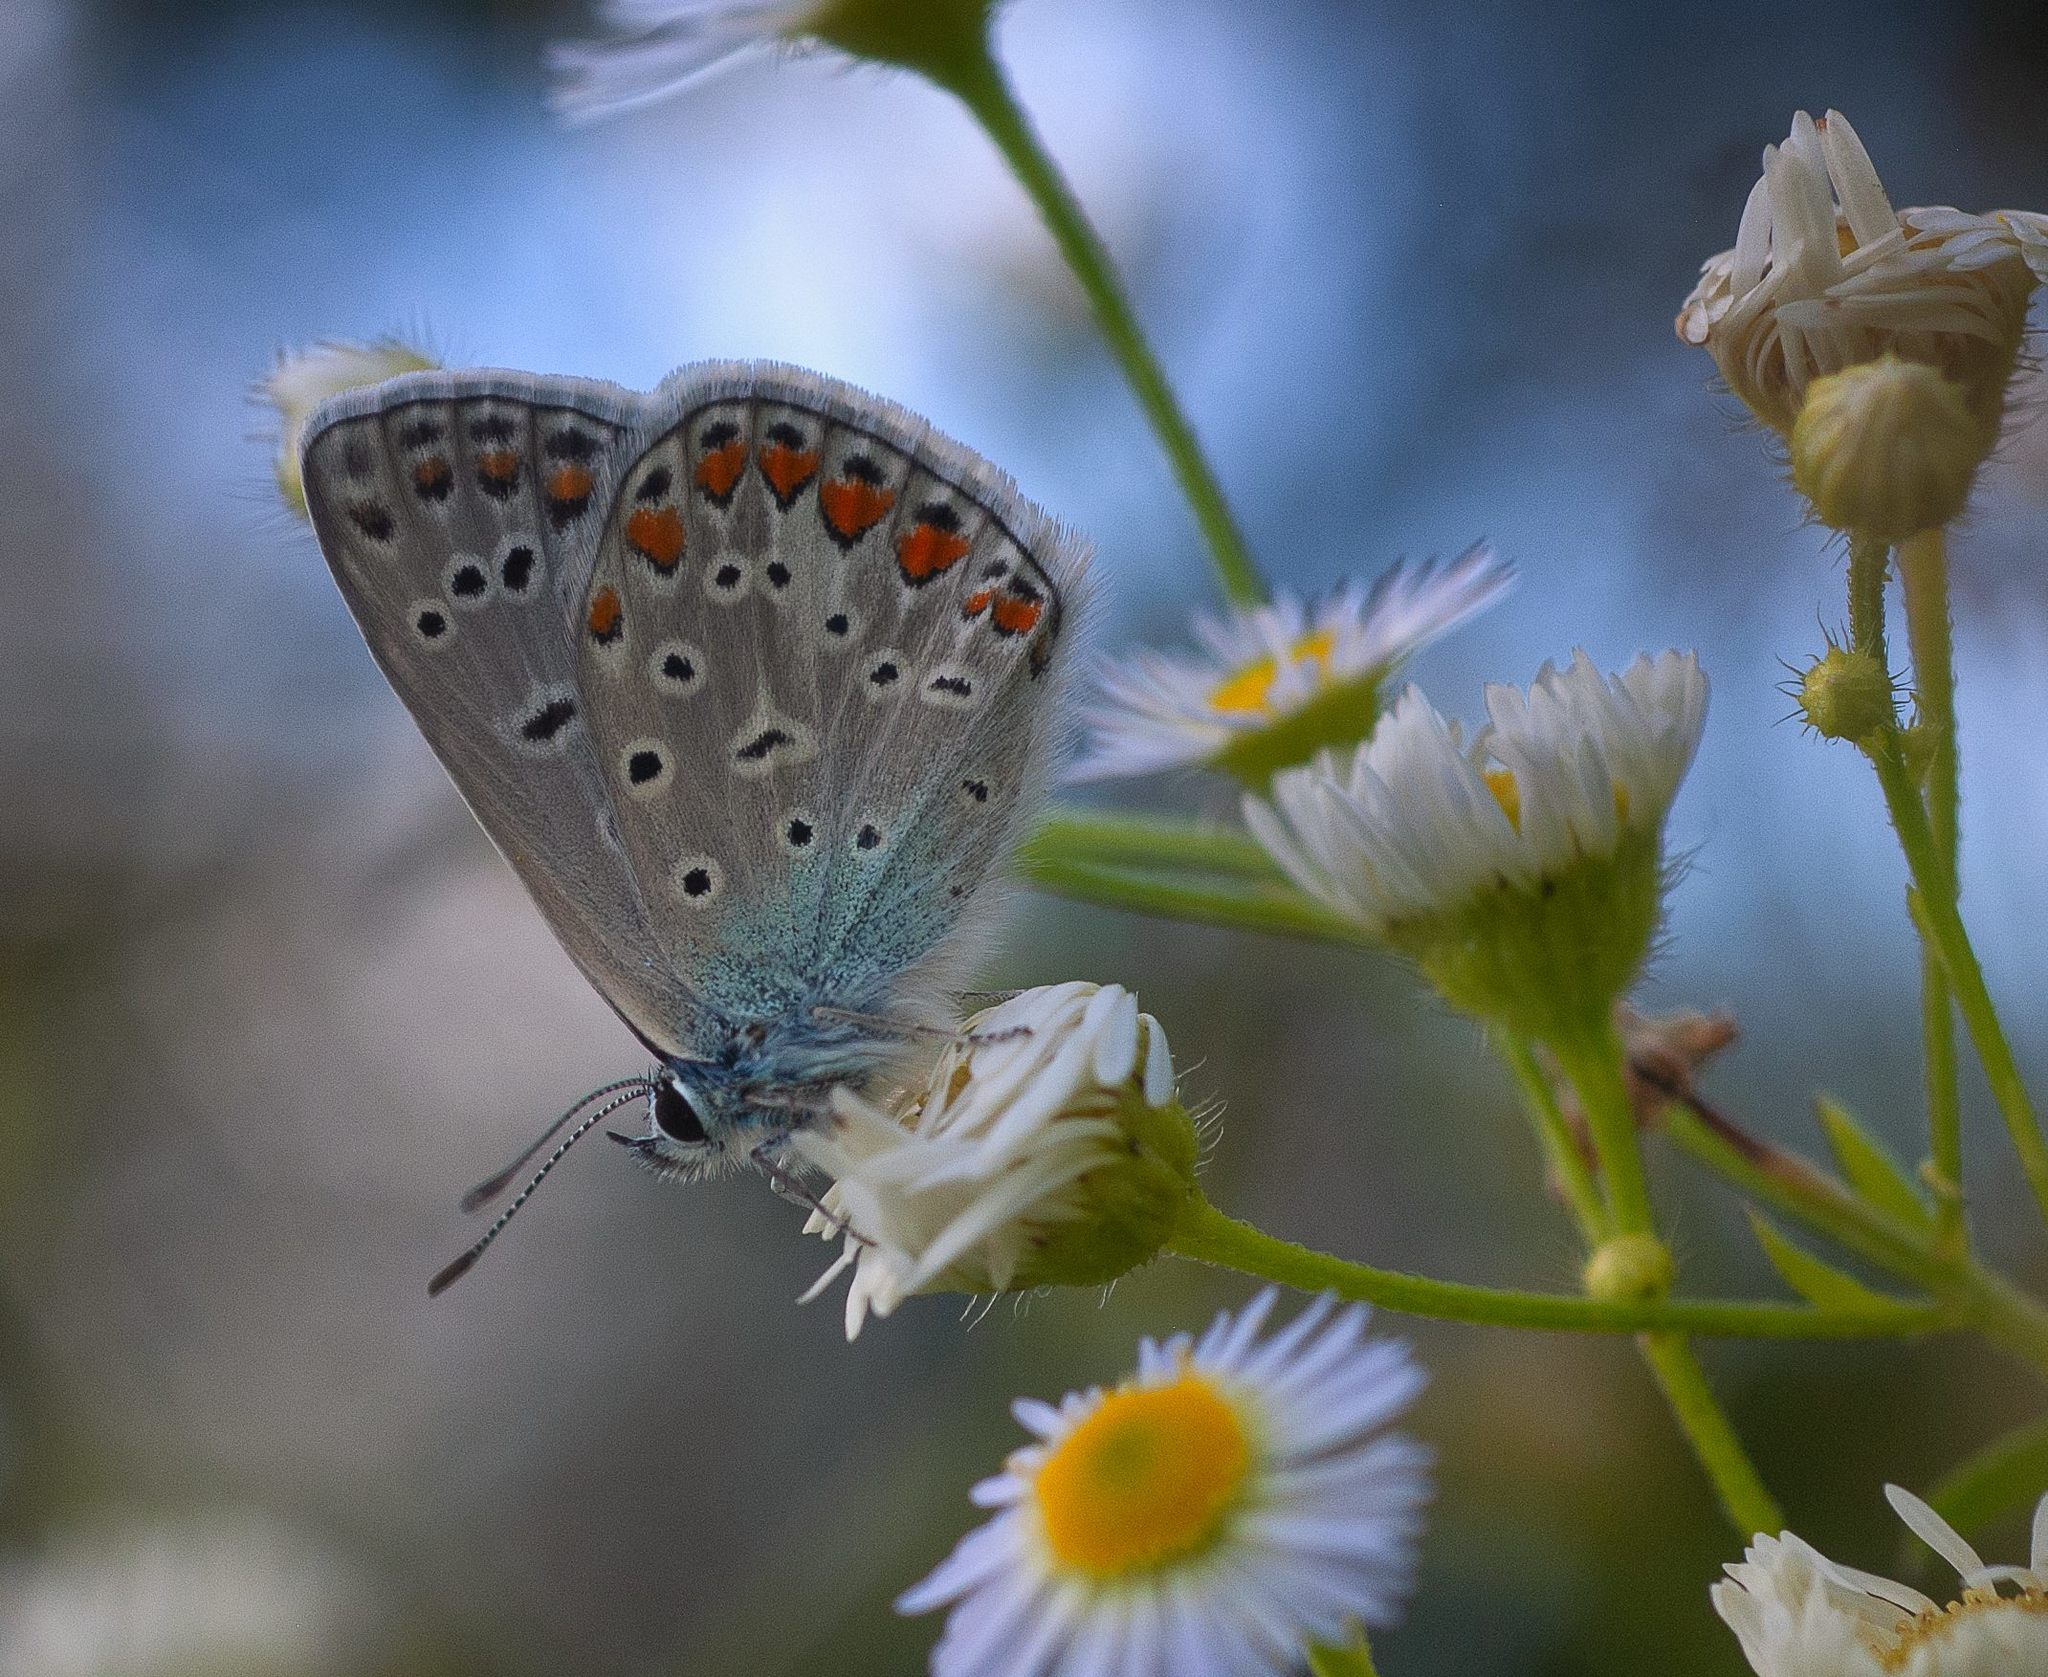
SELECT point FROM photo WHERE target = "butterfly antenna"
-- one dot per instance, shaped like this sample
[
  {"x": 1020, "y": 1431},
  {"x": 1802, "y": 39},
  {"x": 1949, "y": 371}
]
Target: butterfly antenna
[
  {"x": 464, "y": 1264},
  {"x": 491, "y": 1187}
]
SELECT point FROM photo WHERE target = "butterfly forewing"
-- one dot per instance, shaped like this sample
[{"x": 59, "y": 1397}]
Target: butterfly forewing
[
  {"x": 752, "y": 679},
  {"x": 821, "y": 720},
  {"x": 459, "y": 513}
]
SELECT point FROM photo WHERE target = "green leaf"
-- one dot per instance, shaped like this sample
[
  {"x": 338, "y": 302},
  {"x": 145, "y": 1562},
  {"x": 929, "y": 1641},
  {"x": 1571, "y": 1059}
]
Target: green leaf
[
  {"x": 1352, "y": 1659},
  {"x": 1819, "y": 1283},
  {"x": 1870, "y": 1168},
  {"x": 2007, "y": 1475}
]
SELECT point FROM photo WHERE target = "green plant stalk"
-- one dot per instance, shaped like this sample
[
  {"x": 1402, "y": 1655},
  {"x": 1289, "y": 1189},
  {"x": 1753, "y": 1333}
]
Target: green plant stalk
[
  {"x": 1210, "y": 1236},
  {"x": 1967, "y": 1293},
  {"x": 1594, "y": 1063},
  {"x": 1593, "y": 1066},
  {"x": 1560, "y": 1147},
  {"x": 1156, "y": 843},
  {"x": 1923, "y": 576},
  {"x": 1941, "y": 926},
  {"x": 1748, "y": 1504},
  {"x": 978, "y": 82},
  {"x": 1246, "y": 905}
]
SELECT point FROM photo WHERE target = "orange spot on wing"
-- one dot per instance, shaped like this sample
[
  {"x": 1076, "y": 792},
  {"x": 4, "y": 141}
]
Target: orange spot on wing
[
  {"x": 925, "y": 550},
  {"x": 607, "y": 616},
  {"x": 569, "y": 483},
  {"x": 431, "y": 473},
  {"x": 853, "y": 508},
  {"x": 788, "y": 469},
  {"x": 1014, "y": 616},
  {"x": 657, "y": 536},
  {"x": 719, "y": 470},
  {"x": 500, "y": 465},
  {"x": 977, "y": 602}
]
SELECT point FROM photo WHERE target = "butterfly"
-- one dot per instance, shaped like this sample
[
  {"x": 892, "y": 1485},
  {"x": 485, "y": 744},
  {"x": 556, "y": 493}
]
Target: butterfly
[{"x": 754, "y": 680}]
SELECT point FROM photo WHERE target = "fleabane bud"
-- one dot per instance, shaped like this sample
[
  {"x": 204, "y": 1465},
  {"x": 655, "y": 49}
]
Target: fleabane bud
[
  {"x": 1887, "y": 448},
  {"x": 1629, "y": 1269},
  {"x": 304, "y": 378},
  {"x": 1046, "y": 1148},
  {"x": 1847, "y": 695}
]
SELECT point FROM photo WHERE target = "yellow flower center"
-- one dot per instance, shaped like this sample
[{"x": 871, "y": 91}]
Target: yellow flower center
[
  {"x": 1501, "y": 783},
  {"x": 1145, "y": 1480},
  {"x": 1962, "y": 1637},
  {"x": 1245, "y": 692}
]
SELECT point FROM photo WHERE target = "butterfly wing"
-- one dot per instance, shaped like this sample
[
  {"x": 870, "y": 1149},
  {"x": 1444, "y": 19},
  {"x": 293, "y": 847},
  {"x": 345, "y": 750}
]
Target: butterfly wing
[
  {"x": 460, "y": 514},
  {"x": 821, "y": 646}
]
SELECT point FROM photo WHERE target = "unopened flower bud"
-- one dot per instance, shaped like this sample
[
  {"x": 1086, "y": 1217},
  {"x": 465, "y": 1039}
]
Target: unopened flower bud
[
  {"x": 1887, "y": 448},
  {"x": 304, "y": 378},
  {"x": 1847, "y": 695},
  {"x": 1629, "y": 1269}
]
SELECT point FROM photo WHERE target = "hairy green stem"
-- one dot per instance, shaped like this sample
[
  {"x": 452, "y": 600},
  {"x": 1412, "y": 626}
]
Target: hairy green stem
[
  {"x": 1923, "y": 575},
  {"x": 1968, "y": 1294},
  {"x": 1151, "y": 842},
  {"x": 1941, "y": 925},
  {"x": 1248, "y": 905},
  {"x": 1560, "y": 1147},
  {"x": 1749, "y": 1506},
  {"x": 979, "y": 83},
  {"x": 1594, "y": 1067},
  {"x": 1213, "y": 1237}
]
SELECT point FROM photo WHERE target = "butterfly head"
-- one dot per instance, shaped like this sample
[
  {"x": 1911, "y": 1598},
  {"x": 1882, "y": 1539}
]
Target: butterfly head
[{"x": 692, "y": 1130}]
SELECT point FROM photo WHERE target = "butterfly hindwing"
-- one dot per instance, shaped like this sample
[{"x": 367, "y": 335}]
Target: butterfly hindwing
[
  {"x": 459, "y": 514},
  {"x": 819, "y": 646}
]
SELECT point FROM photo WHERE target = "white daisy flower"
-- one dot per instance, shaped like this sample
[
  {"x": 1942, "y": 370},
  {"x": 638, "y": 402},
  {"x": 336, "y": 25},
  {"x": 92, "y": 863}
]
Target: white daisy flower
[
  {"x": 1274, "y": 683},
  {"x": 1535, "y": 847},
  {"x": 1798, "y": 1614},
  {"x": 304, "y": 378},
  {"x": 1825, "y": 274},
  {"x": 1046, "y": 1147},
  {"x": 660, "y": 47},
  {"x": 1230, "y": 1503}
]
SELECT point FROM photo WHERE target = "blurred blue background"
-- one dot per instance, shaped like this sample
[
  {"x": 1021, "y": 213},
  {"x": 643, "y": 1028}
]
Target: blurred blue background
[{"x": 268, "y": 1001}]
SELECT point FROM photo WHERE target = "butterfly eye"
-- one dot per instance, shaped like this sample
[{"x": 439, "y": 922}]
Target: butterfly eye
[{"x": 675, "y": 1117}]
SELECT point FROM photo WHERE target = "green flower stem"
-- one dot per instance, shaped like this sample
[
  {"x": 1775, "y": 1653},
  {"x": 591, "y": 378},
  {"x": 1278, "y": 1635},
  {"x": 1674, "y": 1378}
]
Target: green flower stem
[
  {"x": 1246, "y": 905},
  {"x": 1150, "y": 842},
  {"x": 1941, "y": 925},
  {"x": 1869, "y": 561},
  {"x": 1969, "y": 1294},
  {"x": 1560, "y": 1147},
  {"x": 1213, "y": 1237},
  {"x": 1593, "y": 1066},
  {"x": 1749, "y": 1506},
  {"x": 1923, "y": 573},
  {"x": 979, "y": 83}
]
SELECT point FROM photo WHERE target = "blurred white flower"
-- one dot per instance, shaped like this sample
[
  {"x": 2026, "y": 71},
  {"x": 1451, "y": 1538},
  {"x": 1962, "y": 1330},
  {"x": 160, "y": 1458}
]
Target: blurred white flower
[
  {"x": 1825, "y": 274},
  {"x": 1523, "y": 871},
  {"x": 231, "y": 1592},
  {"x": 1275, "y": 683},
  {"x": 661, "y": 47},
  {"x": 1047, "y": 1147},
  {"x": 304, "y": 378},
  {"x": 1231, "y": 1502},
  {"x": 1798, "y": 1614}
]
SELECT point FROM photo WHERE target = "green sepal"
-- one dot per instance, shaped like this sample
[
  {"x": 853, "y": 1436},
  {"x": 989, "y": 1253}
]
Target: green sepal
[
  {"x": 1351, "y": 1658},
  {"x": 1813, "y": 1280},
  {"x": 1336, "y": 718},
  {"x": 946, "y": 41},
  {"x": 1871, "y": 1170}
]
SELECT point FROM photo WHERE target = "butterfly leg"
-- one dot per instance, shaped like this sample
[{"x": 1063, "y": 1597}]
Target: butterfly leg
[{"x": 790, "y": 1188}]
